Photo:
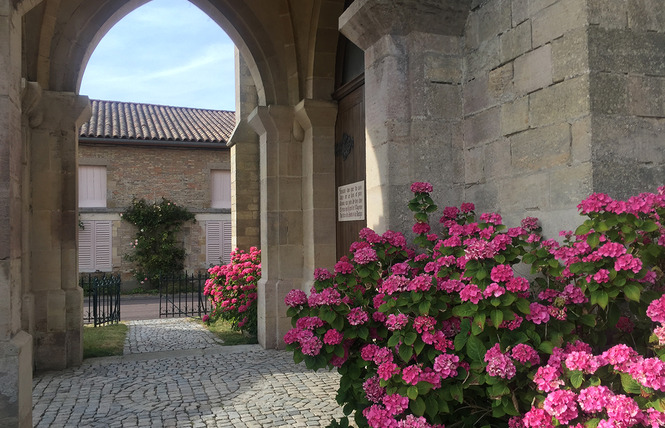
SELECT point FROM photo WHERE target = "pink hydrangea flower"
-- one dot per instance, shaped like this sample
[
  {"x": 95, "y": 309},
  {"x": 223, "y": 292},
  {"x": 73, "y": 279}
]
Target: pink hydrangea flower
[
  {"x": 357, "y": 316},
  {"x": 421, "y": 228},
  {"x": 548, "y": 378},
  {"x": 446, "y": 365},
  {"x": 562, "y": 404},
  {"x": 501, "y": 273},
  {"x": 656, "y": 310},
  {"x": 584, "y": 361},
  {"x": 499, "y": 364},
  {"x": 537, "y": 418},
  {"x": 321, "y": 274},
  {"x": 422, "y": 282},
  {"x": 525, "y": 353},
  {"x": 343, "y": 266},
  {"x": 421, "y": 187},
  {"x": 411, "y": 374},
  {"x": 374, "y": 392},
  {"x": 396, "y": 321},
  {"x": 594, "y": 398},
  {"x": 363, "y": 256},
  {"x": 471, "y": 293},
  {"x": 387, "y": 370},
  {"x": 539, "y": 313},
  {"x": 395, "y": 404},
  {"x": 494, "y": 290},
  {"x": 295, "y": 298},
  {"x": 333, "y": 337}
]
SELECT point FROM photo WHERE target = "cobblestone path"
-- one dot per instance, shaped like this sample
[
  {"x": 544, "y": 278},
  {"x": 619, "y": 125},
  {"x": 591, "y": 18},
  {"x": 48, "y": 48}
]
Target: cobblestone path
[{"x": 196, "y": 384}]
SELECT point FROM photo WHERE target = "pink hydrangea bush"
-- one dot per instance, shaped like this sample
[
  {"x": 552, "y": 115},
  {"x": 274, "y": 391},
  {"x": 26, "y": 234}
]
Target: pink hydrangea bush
[
  {"x": 232, "y": 290},
  {"x": 452, "y": 333}
]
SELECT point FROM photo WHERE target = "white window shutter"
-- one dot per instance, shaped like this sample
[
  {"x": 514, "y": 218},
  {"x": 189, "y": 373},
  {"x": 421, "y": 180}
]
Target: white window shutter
[
  {"x": 86, "y": 247},
  {"x": 103, "y": 246},
  {"x": 213, "y": 241},
  {"x": 220, "y": 188},
  {"x": 227, "y": 235},
  {"x": 92, "y": 186}
]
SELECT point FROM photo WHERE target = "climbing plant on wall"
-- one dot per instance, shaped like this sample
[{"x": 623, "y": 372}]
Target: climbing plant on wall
[{"x": 156, "y": 249}]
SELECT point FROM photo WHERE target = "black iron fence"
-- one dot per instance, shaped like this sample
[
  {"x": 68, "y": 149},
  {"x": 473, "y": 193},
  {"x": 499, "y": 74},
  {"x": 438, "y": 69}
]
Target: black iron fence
[
  {"x": 181, "y": 295},
  {"x": 101, "y": 298}
]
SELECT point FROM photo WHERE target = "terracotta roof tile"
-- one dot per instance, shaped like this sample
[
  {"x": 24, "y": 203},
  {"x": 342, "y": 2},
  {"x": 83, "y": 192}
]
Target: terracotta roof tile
[{"x": 135, "y": 121}]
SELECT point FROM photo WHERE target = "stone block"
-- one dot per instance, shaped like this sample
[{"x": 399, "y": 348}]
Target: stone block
[
  {"x": 608, "y": 13},
  {"x": 609, "y": 93},
  {"x": 474, "y": 165},
  {"x": 646, "y": 15},
  {"x": 494, "y": 18},
  {"x": 484, "y": 196},
  {"x": 516, "y": 42},
  {"x": 570, "y": 55},
  {"x": 557, "y": 19},
  {"x": 515, "y": 116},
  {"x": 626, "y": 51},
  {"x": 483, "y": 59},
  {"x": 442, "y": 69},
  {"x": 581, "y": 140},
  {"x": 520, "y": 11},
  {"x": 497, "y": 159},
  {"x": 562, "y": 102},
  {"x": 540, "y": 148},
  {"x": 525, "y": 193},
  {"x": 442, "y": 101},
  {"x": 482, "y": 127},
  {"x": 533, "y": 70},
  {"x": 471, "y": 31},
  {"x": 500, "y": 83},
  {"x": 570, "y": 184},
  {"x": 476, "y": 96},
  {"x": 535, "y": 6},
  {"x": 629, "y": 139},
  {"x": 646, "y": 96}
]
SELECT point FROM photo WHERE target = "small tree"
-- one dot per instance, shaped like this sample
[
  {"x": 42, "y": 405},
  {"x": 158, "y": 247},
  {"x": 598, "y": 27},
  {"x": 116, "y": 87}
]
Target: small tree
[{"x": 156, "y": 248}]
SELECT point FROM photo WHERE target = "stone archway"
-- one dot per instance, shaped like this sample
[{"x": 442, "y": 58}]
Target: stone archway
[{"x": 283, "y": 62}]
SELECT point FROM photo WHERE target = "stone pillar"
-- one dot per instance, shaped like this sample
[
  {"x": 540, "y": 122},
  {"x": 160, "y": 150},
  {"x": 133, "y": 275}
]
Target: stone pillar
[
  {"x": 317, "y": 120},
  {"x": 281, "y": 219},
  {"x": 15, "y": 343},
  {"x": 244, "y": 144},
  {"x": 413, "y": 71},
  {"x": 54, "y": 288}
]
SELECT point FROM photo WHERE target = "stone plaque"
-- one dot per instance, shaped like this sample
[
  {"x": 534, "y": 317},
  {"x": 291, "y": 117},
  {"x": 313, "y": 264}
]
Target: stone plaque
[{"x": 351, "y": 201}]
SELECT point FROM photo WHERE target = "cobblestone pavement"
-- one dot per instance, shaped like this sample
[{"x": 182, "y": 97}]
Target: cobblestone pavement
[{"x": 202, "y": 384}]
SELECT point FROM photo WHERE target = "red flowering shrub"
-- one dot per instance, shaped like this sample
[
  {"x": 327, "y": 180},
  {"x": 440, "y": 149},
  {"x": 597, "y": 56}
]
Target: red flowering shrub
[
  {"x": 231, "y": 289},
  {"x": 454, "y": 332}
]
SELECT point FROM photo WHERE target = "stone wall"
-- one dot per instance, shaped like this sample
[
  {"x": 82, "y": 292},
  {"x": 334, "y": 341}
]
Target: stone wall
[
  {"x": 181, "y": 175},
  {"x": 627, "y": 62},
  {"x": 526, "y": 109}
]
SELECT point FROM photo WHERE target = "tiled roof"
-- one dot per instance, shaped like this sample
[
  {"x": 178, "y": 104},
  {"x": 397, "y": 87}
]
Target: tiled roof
[{"x": 134, "y": 121}]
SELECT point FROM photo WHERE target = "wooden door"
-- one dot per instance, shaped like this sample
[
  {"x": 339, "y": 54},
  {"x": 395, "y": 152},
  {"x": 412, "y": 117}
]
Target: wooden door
[{"x": 350, "y": 162}]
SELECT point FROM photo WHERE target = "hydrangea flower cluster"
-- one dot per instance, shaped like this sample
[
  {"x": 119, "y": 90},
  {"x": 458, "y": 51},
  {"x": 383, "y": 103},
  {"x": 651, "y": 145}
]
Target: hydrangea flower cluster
[
  {"x": 420, "y": 335},
  {"x": 231, "y": 289}
]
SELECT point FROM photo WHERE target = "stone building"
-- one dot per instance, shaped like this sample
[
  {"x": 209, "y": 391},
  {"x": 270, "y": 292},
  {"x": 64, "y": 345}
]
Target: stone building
[
  {"x": 140, "y": 151},
  {"x": 521, "y": 106}
]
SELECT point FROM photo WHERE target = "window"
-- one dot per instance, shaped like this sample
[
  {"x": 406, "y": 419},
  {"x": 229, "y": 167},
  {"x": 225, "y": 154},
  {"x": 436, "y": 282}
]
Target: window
[
  {"x": 220, "y": 188},
  {"x": 218, "y": 242},
  {"x": 92, "y": 186},
  {"x": 95, "y": 246}
]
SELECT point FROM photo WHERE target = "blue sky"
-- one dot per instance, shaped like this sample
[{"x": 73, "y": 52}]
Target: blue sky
[{"x": 165, "y": 52}]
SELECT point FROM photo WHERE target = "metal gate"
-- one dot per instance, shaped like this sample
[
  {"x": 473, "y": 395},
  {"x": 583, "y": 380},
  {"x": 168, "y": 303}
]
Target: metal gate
[
  {"x": 101, "y": 298},
  {"x": 181, "y": 295}
]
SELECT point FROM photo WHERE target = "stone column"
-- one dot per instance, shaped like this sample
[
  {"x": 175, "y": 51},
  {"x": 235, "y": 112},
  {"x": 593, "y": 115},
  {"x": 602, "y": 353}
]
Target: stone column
[
  {"x": 413, "y": 71},
  {"x": 281, "y": 219},
  {"x": 317, "y": 119},
  {"x": 244, "y": 144},
  {"x": 54, "y": 289},
  {"x": 15, "y": 343}
]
